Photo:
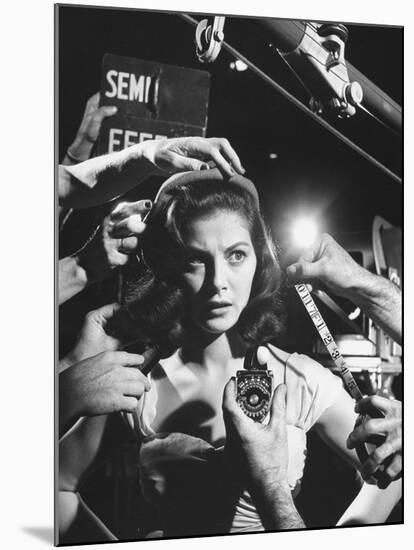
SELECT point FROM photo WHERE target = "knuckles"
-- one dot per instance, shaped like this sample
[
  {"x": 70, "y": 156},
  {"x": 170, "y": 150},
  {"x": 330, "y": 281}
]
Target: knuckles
[
  {"x": 394, "y": 469},
  {"x": 90, "y": 316},
  {"x": 326, "y": 238},
  {"x": 109, "y": 356},
  {"x": 370, "y": 426},
  {"x": 224, "y": 142},
  {"x": 379, "y": 454}
]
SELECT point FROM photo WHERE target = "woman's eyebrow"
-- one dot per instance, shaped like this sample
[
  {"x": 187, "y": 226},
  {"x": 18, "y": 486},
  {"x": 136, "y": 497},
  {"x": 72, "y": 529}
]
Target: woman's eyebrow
[
  {"x": 191, "y": 248},
  {"x": 235, "y": 245}
]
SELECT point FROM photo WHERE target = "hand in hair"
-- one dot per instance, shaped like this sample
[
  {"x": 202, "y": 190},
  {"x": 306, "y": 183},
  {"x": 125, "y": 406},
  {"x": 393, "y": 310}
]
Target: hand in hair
[
  {"x": 115, "y": 240},
  {"x": 100, "y": 179},
  {"x": 107, "y": 249},
  {"x": 193, "y": 153},
  {"x": 102, "y": 384}
]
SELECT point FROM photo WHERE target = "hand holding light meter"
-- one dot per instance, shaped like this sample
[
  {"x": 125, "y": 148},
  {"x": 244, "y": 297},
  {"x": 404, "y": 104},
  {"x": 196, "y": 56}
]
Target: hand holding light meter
[{"x": 254, "y": 384}]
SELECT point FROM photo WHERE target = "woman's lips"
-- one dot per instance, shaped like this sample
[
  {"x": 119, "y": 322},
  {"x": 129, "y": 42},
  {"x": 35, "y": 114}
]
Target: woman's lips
[{"x": 218, "y": 307}]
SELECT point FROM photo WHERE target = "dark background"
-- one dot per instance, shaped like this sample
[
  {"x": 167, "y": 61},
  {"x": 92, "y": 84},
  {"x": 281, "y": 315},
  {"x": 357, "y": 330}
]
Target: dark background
[{"x": 313, "y": 173}]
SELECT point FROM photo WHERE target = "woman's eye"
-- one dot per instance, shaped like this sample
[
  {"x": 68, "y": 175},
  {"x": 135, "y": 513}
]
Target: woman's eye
[{"x": 237, "y": 256}]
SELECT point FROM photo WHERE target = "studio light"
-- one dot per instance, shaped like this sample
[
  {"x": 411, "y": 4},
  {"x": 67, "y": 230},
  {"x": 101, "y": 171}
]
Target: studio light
[
  {"x": 238, "y": 65},
  {"x": 304, "y": 232}
]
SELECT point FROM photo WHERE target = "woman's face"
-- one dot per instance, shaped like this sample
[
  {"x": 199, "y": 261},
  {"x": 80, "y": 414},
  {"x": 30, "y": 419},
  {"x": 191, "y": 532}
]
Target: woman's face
[{"x": 220, "y": 263}]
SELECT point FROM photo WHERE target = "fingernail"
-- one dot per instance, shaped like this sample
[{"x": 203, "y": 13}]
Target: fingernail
[
  {"x": 291, "y": 270},
  {"x": 243, "y": 170},
  {"x": 148, "y": 204},
  {"x": 204, "y": 167},
  {"x": 350, "y": 442},
  {"x": 114, "y": 110},
  {"x": 263, "y": 355}
]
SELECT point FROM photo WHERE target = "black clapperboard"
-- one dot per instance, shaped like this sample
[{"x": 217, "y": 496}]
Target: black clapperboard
[{"x": 154, "y": 101}]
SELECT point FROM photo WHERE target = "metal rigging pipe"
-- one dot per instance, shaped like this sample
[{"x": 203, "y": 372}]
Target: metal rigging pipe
[{"x": 286, "y": 36}]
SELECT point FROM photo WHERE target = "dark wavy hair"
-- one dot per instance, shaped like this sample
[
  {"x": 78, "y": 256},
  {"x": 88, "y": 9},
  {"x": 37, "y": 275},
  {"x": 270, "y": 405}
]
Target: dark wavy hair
[{"x": 158, "y": 309}]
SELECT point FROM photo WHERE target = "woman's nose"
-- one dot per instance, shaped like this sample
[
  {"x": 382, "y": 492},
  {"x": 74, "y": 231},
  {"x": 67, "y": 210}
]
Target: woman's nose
[{"x": 219, "y": 276}]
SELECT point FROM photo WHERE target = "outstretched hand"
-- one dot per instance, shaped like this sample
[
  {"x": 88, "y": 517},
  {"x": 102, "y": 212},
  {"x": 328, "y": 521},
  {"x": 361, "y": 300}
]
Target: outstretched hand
[
  {"x": 89, "y": 128},
  {"x": 387, "y": 455},
  {"x": 102, "y": 384},
  {"x": 101, "y": 179},
  {"x": 93, "y": 338},
  {"x": 327, "y": 261},
  {"x": 193, "y": 153}
]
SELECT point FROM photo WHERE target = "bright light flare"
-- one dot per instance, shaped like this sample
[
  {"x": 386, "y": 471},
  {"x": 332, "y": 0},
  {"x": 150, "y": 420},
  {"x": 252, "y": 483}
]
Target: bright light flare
[
  {"x": 354, "y": 314},
  {"x": 304, "y": 232},
  {"x": 238, "y": 65}
]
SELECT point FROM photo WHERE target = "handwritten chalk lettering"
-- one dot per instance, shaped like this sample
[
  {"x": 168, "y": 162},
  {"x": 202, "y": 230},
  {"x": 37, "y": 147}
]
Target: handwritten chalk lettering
[
  {"x": 128, "y": 86},
  {"x": 120, "y": 139}
]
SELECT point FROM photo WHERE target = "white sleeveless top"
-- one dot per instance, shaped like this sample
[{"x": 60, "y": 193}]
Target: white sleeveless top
[{"x": 311, "y": 389}]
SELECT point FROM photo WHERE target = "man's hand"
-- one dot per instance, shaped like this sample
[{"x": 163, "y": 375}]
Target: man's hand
[
  {"x": 262, "y": 453},
  {"x": 327, "y": 261},
  {"x": 93, "y": 338},
  {"x": 263, "y": 449},
  {"x": 89, "y": 128},
  {"x": 389, "y": 453},
  {"x": 116, "y": 238},
  {"x": 192, "y": 153},
  {"x": 102, "y": 384},
  {"x": 332, "y": 265},
  {"x": 107, "y": 249},
  {"x": 100, "y": 179}
]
